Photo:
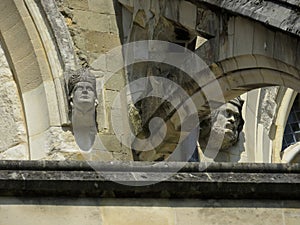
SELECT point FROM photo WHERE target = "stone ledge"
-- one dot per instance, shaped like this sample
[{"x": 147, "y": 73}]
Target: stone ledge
[
  {"x": 284, "y": 18},
  {"x": 218, "y": 181}
]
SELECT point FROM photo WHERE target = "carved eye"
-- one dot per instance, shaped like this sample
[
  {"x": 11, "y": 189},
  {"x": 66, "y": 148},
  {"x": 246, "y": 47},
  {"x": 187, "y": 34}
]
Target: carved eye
[
  {"x": 89, "y": 89},
  {"x": 78, "y": 88}
]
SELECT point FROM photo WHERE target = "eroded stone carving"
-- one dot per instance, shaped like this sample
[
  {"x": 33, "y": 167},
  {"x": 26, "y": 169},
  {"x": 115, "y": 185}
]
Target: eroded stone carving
[
  {"x": 83, "y": 102},
  {"x": 225, "y": 121}
]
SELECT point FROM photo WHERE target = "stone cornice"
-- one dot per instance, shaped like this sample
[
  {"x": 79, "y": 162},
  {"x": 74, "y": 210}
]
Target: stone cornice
[
  {"x": 281, "y": 14},
  {"x": 128, "y": 180}
]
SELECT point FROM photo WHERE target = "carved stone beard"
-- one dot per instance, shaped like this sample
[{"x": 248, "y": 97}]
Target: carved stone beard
[{"x": 230, "y": 137}]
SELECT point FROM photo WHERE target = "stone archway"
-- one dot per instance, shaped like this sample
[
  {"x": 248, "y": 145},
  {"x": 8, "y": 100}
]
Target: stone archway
[
  {"x": 244, "y": 52},
  {"x": 31, "y": 56}
]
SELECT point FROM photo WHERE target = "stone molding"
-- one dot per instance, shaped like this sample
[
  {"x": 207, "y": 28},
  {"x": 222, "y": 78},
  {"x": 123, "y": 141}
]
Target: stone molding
[
  {"x": 279, "y": 14},
  {"x": 218, "y": 180}
]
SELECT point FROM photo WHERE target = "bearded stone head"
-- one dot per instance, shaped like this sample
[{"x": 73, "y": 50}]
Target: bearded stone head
[{"x": 225, "y": 122}]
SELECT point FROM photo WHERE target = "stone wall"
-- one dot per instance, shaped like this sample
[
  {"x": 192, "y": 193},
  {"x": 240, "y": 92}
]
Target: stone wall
[
  {"x": 147, "y": 212},
  {"x": 13, "y": 134},
  {"x": 93, "y": 27}
]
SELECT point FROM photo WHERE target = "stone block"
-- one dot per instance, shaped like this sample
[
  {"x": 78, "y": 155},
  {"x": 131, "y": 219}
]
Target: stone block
[
  {"x": 252, "y": 78},
  {"x": 272, "y": 77},
  {"x": 217, "y": 70},
  {"x": 92, "y": 21},
  {"x": 287, "y": 69},
  {"x": 226, "y": 47},
  {"x": 188, "y": 14},
  {"x": 263, "y": 42},
  {"x": 18, "y": 152},
  {"x": 15, "y": 38},
  {"x": 110, "y": 143},
  {"x": 245, "y": 62},
  {"x": 125, "y": 155},
  {"x": 283, "y": 67},
  {"x": 297, "y": 63},
  {"x": 226, "y": 88},
  {"x": 99, "y": 64},
  {"x": 48, "y": 214},
  {"x": 207, "y": 22},
  {"x": 235, "y": 80},
  {"x": 128, "y": 3},
  {"x": 290, "y": 82},
  {"x": 37, "y": 143},
  {"x": 79, "y": 40},
  {"x": 101, "y": 6},
  {"x": 116, "y": 82},
  {"x": 229, "y": 65},
  {"x": 114, "y": 59},
  {"x": 284, "y": 48},
  {"x": 52, "y": 103},
  {"x": 111, "y": 96},
  {"x": 152, "y": 216},
  {"x": 265, "y": 62},
  {"x": 100, "y": 42},
  {"x": 9, "y": 18},
  {"x": 218, "y": 211},
  {"x": 140, "y": 18},
  {"x": 171, "y": 11},
  {"x": 291, "y": 216},
  {"x": 113, "y": 27},
  {"x": 243, "y": 36},
  {"x": 37, "y": 115},
  {"x": 29, "y": 75},
  {"x": 127, "y": 22},
  {"x": 231, "y": 25},
  {"x": 12, "y": 123},
  {"x": 78, "y": 4}
]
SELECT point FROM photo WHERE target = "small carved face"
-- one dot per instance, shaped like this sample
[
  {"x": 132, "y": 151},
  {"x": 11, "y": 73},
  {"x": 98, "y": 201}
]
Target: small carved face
[
  {"x": 83, "y": 95},
  {"x": 228, "y": 119}
]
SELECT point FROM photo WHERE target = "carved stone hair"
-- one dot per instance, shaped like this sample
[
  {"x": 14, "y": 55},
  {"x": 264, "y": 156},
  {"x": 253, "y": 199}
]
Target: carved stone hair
[
  {"x": 81, "y": 75},
  {"x": 206, "y": 123},
  {"x": 238, "y": 102}
]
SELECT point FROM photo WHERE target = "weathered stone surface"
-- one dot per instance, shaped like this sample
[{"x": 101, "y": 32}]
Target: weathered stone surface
[
  {"x": 101, "y": 6},
  {"x": 243, "y": 36},
  {"x": 60, "y": 32},
  {"x": 282, "y": 15},
  {"x": 91, "y": 21},
  {"x": 78, "y": 4},
  {"x": 187, "y": 14},
  {"x": 19, "y": 152},
  {"x": 60, "y": 144},
  {"x": 268, "y": 107},
  {"x": 13, "y": 136},
  {"x": 92, "y": 211}
]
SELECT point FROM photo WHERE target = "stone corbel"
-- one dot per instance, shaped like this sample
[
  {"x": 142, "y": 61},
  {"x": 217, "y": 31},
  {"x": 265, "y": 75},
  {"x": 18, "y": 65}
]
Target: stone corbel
[{"x": 83, "y": 101}]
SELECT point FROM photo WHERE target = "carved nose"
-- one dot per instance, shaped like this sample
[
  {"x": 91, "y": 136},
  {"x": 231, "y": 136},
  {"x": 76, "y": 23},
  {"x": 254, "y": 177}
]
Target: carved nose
[
  {"x": 231, "y": 119},
  {"x": 84, "y": 91}
]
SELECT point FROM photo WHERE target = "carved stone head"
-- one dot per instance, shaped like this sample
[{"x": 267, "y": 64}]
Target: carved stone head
[
  {"x": 82, "y": 90},
  {"x": 83, "y": 100},
  {"x": 225, "y": 120}
]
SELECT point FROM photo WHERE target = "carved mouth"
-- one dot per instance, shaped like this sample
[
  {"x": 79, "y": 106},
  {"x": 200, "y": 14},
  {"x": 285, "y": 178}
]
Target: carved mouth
[{"x": 229, "y": 126}]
